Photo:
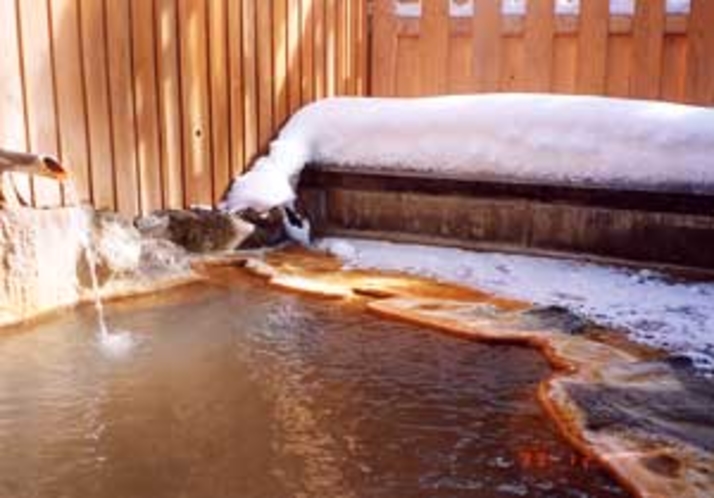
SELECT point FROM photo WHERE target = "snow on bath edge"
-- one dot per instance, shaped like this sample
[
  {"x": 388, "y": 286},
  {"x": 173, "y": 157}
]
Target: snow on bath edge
[
  {"x": 675, "y": 316},
  {"x": 533, "y": 137}
]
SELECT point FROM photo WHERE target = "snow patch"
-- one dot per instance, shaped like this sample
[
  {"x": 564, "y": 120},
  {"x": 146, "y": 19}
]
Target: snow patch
[
  {"x": 531, "y": 137},
  {"x": 675, "y": 316}
]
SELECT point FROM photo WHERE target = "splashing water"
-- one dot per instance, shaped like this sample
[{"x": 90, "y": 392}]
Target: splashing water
[{"x": 112, "y": 342}]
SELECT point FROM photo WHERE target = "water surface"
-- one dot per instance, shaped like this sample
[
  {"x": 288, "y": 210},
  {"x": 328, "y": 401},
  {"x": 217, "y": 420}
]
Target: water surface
[{"x": 237, "y": 390}]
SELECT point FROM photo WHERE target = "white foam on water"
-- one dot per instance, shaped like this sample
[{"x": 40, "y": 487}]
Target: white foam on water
[{"x": 116, "y": 343}]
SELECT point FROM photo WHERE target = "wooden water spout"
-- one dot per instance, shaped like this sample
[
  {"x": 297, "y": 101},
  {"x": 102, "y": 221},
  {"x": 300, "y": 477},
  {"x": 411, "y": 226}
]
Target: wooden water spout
[
  {"x": 33, "y": 164},
  {"x": 20, "y": 162}
]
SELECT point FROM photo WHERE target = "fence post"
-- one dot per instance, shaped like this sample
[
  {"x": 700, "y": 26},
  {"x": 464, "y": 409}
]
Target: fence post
[{"x": 487, "y": 45}]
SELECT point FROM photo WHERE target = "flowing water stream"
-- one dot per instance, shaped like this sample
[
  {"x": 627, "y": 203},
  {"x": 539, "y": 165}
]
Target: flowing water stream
[{"x": 114, "y": 342}]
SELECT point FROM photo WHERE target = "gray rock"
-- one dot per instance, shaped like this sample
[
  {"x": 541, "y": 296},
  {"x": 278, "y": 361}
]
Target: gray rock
[
  {"x": 196, "y": 230},
  {"x": 269, "y": 229}
]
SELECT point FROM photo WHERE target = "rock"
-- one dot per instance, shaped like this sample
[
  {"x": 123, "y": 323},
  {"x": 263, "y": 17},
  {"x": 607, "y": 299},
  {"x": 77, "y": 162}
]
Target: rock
[
  {"x": 160, "y": 255},
  {"x": 39, "y": 251},
  {"x": 117, "y": 245},
  {"x": 556, "y": 318},
  {"x": 44, "y": 265},
  {"x": 196, "y": 230},
  {"x": 269, "y": 229}
]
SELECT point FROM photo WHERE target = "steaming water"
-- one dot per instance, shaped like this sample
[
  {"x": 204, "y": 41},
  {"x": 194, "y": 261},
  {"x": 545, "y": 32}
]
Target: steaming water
[
  {"x": 236, "y": 390},
  {"x": 113, "y": 343}
]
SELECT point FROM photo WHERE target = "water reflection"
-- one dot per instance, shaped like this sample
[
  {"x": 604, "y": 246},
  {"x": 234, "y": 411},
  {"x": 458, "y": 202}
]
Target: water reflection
[{"x": 238, "y": 390}]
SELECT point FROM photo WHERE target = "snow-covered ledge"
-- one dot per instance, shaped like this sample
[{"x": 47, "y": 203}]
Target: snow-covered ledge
[
  {"x": 554, "y": 139},
  {"x": 622, "y": 172}
]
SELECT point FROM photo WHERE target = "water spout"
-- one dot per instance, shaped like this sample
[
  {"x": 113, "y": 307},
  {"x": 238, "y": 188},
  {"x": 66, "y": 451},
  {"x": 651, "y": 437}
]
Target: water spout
[{"x": 36, "y": 164}]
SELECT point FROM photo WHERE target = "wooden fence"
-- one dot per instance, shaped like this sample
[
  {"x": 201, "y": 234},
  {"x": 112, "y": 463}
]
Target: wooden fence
[
  {"x": 158, "y": 103},
  {"x": 465, "y": 46}
]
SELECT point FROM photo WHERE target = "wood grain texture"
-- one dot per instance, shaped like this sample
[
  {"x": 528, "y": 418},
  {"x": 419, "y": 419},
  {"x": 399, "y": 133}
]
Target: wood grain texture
[
  {"x": 123, "y": 118},
  {"x": 538, "y": 39},
  {"x": 294, "y": 56},
  {"x": 13, "y": 127},
  {"x": 487, "y": 46},
  {"x": 169, "y": 98},
  {"x": 648, "y": 41},
  {"x": 146, "y": 106},
  {"x": 219, "y": 98},
  {"x": 592, "y": 47},
  {"x": 264, "y": 51},
  {"x": 69, "y": 78},
  {"x": 198, "y": 175},
  {"x": 700, "y": 59},
  {"x": 235, "y": 94},
  {"x": 280, "y": 62},
  {"x": 40, "y": 92},
  {"x": 250, "y": 81},
  {"x": 433, "y": 48},
  {"x": 307, "y": 51}
]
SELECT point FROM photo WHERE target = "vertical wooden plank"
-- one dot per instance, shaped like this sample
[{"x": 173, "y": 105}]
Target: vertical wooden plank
[
  {"x": 307, "y": 49},
  {"x": 538, "y": 39},
  {"x": 434, "y": 47},
  {"x": 342, "y": 32},
  {"x": 250, "y": 80},
  {"x": 96, "y": 80},
  {"x": 220, "y": 108},
  {"x": 331, "y": 47},
  {"x": 70, "y": 93},
  {"x": 619, "y": 63},
  {"x": 195, "y": 105},
  {"x": 353, "y": 46},
  {"x": 362, "y": 49},
  {"x": 122, "y": 105},
  {"x": 674, "y": 68},
  {"x": 564, "y": 76},
  {"x": 460, "y": 65},
  {"x": 319, "y": 49},
  {"x": 648, "y": 39},
  {"x": 39, "y": 91},
  {"x": 512, "y": 63},
  {"x": 146, "y": 106},
  {"x": 13, "y": 130},
  {"x": 236, "y": 97},
  {"x": 280, "y": 62},
  {"x": 294, "y": 67},
  {"x": 407, "y": 81},
  {"x": 265, "y": 73},
  {"x": 167, "y": 48},
  {"x": 700, "y": 59},
  {"x": 487, "y": 44},
  {"x": 592, "y": 46}
]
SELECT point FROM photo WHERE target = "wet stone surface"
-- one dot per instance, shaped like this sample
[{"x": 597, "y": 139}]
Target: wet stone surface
[{"x": 679, "y": 410}]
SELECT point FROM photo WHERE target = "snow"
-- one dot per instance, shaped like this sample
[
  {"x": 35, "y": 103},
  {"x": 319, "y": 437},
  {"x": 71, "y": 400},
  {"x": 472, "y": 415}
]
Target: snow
[
  {"x": 518, "y": 7},
  {"x": 673, "y": 315},
  {"x": 526, "y": 137}
]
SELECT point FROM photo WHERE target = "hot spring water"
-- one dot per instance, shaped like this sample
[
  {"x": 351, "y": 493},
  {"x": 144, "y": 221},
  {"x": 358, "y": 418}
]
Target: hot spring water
[{"x": 237, "y": 389}]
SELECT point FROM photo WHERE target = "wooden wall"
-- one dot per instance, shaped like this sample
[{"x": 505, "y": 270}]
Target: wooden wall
[
  {"x": 158, "y": 103},
  {"x": 649, "y": 54}
]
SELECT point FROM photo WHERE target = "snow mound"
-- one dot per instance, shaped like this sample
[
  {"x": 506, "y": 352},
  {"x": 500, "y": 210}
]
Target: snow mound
[
  {"x": 675, "y": 316},
  {"x": 529, "y": 137}
]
